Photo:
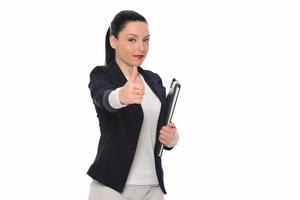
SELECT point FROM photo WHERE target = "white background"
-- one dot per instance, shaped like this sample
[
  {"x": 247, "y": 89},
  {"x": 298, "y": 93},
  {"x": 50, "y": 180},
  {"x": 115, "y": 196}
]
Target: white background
[{"x": 238, "y": 111}]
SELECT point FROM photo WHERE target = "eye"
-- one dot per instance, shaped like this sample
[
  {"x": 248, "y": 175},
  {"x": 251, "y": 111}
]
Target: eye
[
  {"x": 132, "y": 40},
  {"x": 146, "y": 40}
]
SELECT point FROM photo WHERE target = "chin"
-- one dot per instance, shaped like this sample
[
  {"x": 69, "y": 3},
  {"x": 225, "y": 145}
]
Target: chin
[{"x": 137, "y": 63}]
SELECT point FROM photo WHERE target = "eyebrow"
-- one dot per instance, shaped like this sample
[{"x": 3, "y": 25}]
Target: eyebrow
[{"x": 137, "y": 36}]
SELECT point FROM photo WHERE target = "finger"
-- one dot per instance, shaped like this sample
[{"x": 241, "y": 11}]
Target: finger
[
  {"x": 172, "y": 125},
  {"x": 165, "y": 142},
  {"x": 138, "y": 91},
  {"x": 162, "y": 141},
  {"x": 170, "y": 129},
  {"x": 169, "y": 135},
  {"x": 138, "y": 100},
  {"x": 138, "y": 86},
  {"x": 167, "y": 129},
  {"x": 165, "y": 133},
  {"x": 164, "y": 137},
  {"x": 137, "y": 96},
  {"x": 134, "y": 74}
]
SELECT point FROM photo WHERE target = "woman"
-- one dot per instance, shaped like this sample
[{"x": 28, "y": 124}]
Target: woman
[{"x": 131, "y": 107}]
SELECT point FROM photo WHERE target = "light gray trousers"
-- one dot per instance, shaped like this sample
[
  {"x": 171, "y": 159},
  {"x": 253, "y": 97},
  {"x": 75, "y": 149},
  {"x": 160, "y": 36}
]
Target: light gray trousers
[{"x": 98, "y": 191}]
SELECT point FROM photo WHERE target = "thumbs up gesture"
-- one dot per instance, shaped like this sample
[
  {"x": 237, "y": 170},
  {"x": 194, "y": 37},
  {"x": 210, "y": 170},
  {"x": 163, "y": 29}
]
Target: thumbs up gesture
[{"x": 133, "y": 91}]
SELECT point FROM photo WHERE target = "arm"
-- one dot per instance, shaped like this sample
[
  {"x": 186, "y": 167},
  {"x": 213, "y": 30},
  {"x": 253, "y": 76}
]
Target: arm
[
  {"x": 100, "y": 88},
  {"x": 110, "y": 99}
]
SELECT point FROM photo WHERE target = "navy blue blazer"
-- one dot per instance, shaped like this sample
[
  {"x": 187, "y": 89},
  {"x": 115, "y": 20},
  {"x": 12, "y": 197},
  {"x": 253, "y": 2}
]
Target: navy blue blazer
[{"x": 120, "y": 128}]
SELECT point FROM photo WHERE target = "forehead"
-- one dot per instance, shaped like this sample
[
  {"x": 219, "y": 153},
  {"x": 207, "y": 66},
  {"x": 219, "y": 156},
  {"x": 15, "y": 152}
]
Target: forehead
[{"x": 136, "y": 27}]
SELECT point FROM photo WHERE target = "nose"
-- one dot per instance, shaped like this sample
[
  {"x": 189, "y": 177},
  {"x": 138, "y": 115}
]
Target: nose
[{"x": 141, "y": 46}]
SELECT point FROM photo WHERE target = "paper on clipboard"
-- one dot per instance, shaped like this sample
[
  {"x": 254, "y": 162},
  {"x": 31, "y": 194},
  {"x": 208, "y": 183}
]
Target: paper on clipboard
[{"x": 171, "y": 103}]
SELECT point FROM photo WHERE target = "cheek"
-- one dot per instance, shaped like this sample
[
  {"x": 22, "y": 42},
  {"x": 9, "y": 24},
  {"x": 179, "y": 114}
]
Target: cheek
[
  {"x": 146, "y": 48},
  {"x": 124, "y": 51},
  {"x": 130, "y": 50}
]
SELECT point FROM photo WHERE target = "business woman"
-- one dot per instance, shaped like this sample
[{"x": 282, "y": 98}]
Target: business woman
[{"x": 131, "y": 107}]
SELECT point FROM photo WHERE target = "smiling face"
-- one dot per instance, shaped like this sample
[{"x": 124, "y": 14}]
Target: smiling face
[{"x": 132, "y": 44}]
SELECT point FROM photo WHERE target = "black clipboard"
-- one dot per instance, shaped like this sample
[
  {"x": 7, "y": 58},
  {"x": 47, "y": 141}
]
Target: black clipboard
[{"x": 171, "y": 103}]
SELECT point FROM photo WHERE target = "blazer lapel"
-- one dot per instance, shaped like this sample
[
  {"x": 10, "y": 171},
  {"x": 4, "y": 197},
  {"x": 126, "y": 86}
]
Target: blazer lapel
[
  {"x": 116, "y": 73},
  {"x": 158, "y": 89}
]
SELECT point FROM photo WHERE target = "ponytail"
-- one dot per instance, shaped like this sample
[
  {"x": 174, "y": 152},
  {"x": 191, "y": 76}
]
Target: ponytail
[{"x": 109, "y": 51}]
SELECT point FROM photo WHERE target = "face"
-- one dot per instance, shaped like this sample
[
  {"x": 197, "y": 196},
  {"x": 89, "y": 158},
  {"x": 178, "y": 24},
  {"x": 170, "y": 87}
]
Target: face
[{"x": 132, "y": 44}]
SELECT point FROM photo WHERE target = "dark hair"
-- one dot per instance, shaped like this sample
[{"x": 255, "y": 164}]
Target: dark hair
[{"x": 117, "y": 25}]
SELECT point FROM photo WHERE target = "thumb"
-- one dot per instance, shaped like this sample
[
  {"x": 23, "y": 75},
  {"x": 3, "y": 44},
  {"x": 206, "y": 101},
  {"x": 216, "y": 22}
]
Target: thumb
[
  {"x": 171, "y": 125},
  {"x": 134, "y": 74}
]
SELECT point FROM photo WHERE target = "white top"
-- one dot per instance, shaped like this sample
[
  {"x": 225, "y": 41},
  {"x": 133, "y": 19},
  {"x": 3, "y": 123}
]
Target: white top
[{"x": 143, "y": 171}]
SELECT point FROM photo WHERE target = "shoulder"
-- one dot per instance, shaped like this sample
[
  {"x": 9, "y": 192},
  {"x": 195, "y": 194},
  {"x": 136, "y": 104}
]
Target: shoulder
[
  {"x": 99, "y": 72},
  {"x": 98, "y": 69}
]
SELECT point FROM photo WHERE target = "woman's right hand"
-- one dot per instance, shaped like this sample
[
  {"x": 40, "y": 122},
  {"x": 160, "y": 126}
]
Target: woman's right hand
[{"x": 133, "y": 91}]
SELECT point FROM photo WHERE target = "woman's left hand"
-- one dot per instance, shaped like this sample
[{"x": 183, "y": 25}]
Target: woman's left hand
[{"x": 167, "y": 134}]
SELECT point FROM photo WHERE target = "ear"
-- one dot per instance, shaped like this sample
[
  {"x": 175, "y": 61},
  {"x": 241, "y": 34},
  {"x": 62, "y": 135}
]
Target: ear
[{"x": 113, "y": 41}]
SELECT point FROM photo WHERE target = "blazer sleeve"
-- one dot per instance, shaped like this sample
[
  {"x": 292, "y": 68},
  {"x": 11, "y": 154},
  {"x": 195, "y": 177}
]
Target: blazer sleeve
[{"x": 100, "y": 88}]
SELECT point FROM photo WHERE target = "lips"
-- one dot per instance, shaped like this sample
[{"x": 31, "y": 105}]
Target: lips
[{"x": 139, "y": 56}]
